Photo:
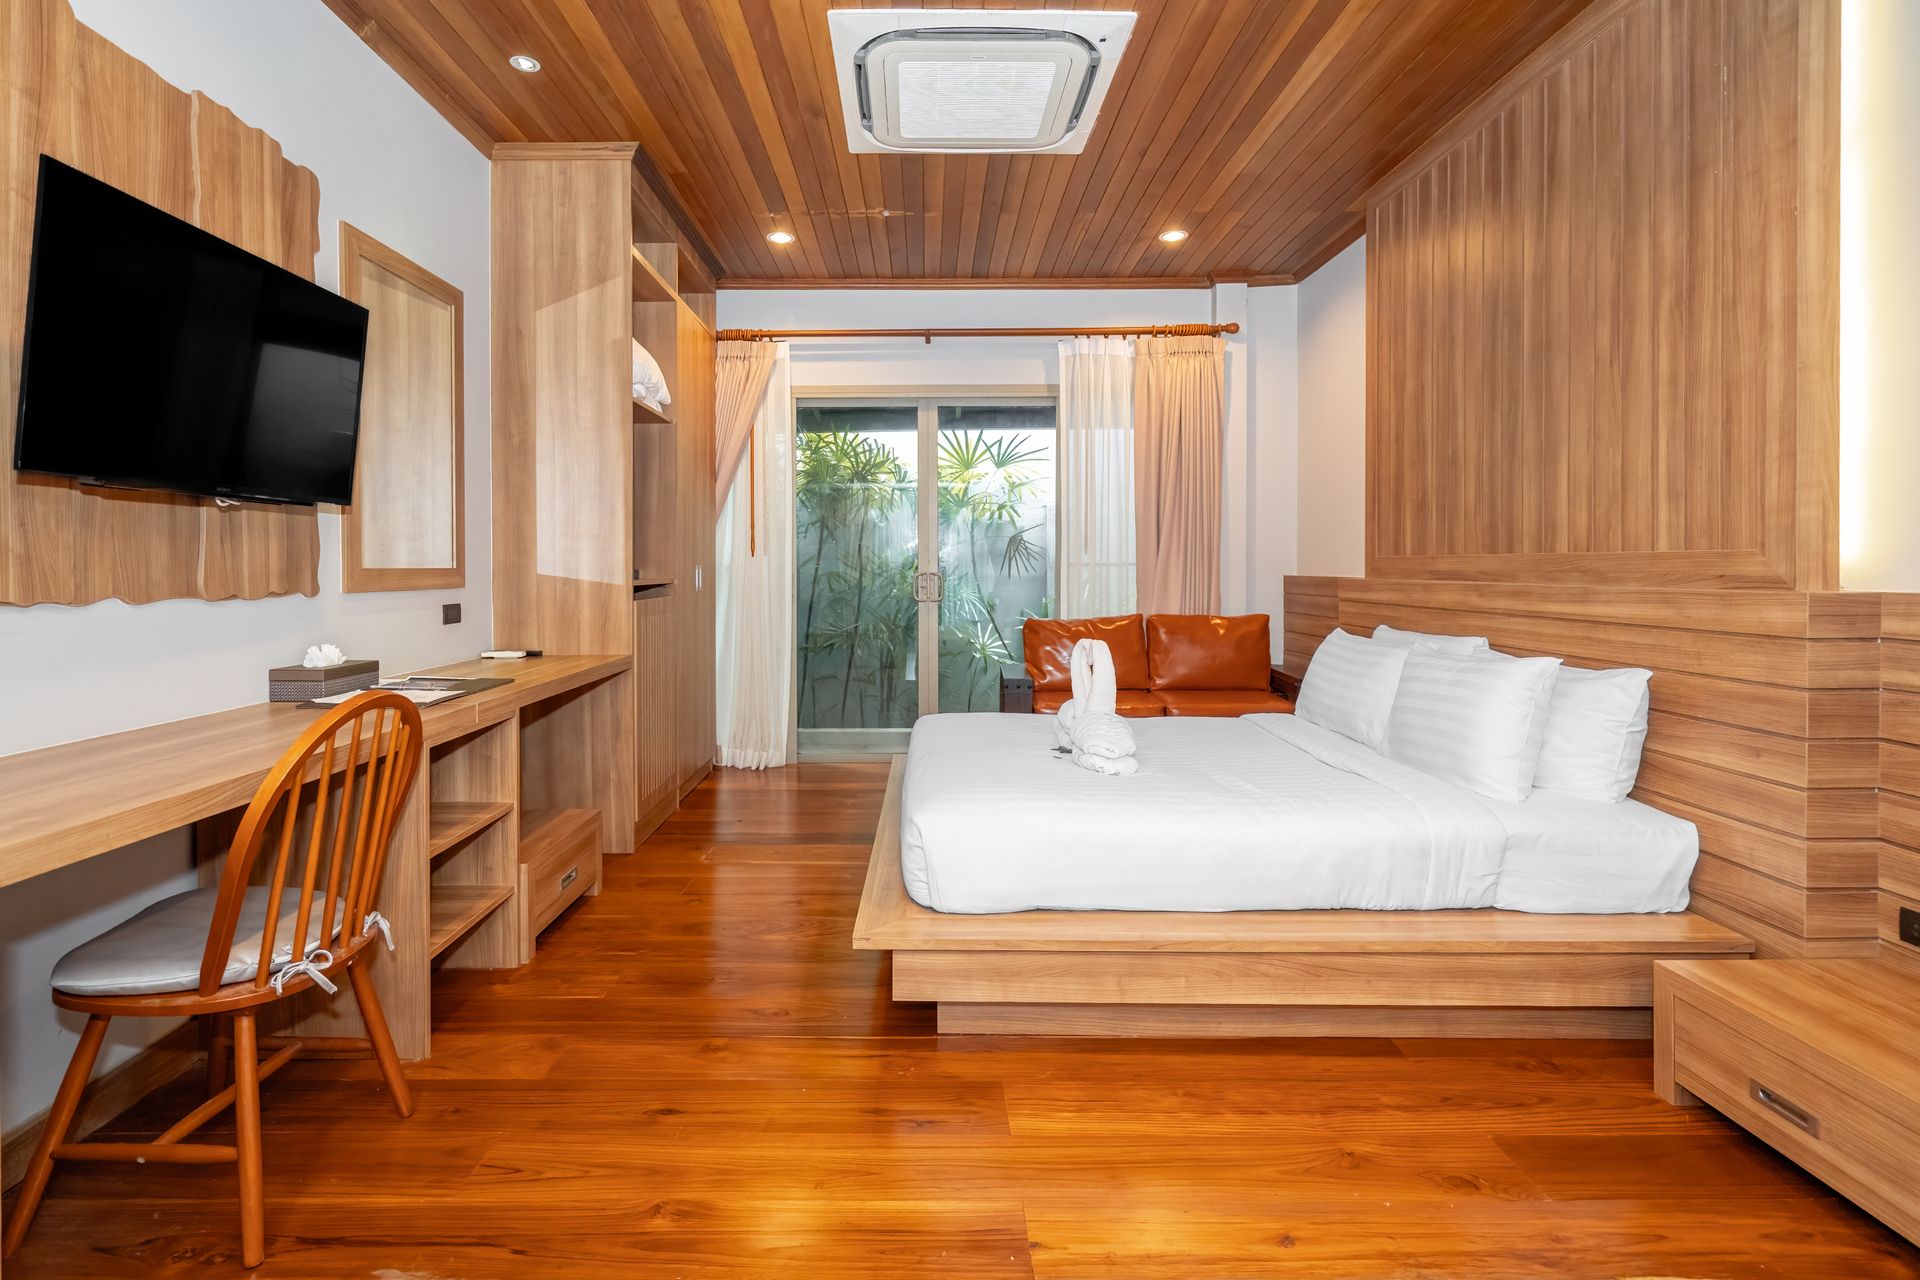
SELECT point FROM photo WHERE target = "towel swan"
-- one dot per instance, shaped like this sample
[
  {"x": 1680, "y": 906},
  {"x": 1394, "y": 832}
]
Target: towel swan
[{"x": 1086, "y": 723}]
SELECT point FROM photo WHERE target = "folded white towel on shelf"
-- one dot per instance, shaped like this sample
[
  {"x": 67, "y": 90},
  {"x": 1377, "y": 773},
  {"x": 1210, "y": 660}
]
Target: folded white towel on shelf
[{"x": 649, "y": 383}]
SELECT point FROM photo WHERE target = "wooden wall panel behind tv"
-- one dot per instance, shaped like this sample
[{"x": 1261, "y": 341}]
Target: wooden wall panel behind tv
[
  {"x": 1602, "y": 330},
  {"x": 77, "y": 97}
]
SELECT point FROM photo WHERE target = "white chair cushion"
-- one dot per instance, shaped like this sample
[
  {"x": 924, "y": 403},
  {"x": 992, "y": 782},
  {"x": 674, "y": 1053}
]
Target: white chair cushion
[
  {"x": 1349, "y": 686},
  {"x": 160, "y": 949},
  {"x": 1455, "y": 646},
  {"x": 1476, "y": 720},
  {"x": 1596, "y": 726}
]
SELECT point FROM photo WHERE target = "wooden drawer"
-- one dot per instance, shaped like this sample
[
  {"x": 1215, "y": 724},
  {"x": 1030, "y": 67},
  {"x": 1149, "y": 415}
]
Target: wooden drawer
[
  {"x": 559, "y": 861},
  {"x": 1776, "y": 1091}
]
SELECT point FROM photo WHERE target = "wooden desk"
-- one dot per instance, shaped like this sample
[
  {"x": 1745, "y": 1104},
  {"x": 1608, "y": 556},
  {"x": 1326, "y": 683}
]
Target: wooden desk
[{"x": 559, "y": 736}]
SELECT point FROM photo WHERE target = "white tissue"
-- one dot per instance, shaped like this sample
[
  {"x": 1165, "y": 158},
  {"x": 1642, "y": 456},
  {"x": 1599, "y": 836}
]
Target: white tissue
[{"x": 323, "y": 655}]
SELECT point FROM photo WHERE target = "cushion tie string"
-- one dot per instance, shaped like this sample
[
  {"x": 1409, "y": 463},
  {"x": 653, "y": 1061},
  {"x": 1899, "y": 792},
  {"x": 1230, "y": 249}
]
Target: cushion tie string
[
  {"x": 314, "y": 966},
  {"x": 374, "y": 921}
]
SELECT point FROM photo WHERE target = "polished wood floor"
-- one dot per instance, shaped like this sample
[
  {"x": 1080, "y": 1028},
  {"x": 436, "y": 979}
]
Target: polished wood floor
[{"x": 698, "y": 1078}]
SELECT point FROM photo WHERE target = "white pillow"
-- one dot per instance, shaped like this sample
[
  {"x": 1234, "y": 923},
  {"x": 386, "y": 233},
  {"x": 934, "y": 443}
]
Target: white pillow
[
  {"x": 1459, "y": 646},
  {"x": 649, "y": 383},
  {"x": 1477, "y": 720},
  {"x": 1595, "y": 729},
  {"x": 1349, "y": 686}
]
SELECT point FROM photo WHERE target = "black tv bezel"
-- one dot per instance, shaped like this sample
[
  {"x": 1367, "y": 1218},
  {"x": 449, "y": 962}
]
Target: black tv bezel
[{"x": 147, "y": 484}]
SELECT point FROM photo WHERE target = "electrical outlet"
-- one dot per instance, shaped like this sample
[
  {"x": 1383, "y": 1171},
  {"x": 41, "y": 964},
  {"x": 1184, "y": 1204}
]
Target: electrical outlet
[
  {"x": 449, "y": 614},
  {"x": 1910, "y": 926}
]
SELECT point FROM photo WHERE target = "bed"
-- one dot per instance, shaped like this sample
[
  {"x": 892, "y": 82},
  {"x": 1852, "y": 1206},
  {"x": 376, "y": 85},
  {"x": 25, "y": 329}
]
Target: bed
[
  {"x": 1258, "y": 813},
  {"x": 1263, "y": 876}
]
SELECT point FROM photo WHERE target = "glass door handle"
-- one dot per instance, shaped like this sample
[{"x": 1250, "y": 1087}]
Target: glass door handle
[{"x": 929, "y": 588}]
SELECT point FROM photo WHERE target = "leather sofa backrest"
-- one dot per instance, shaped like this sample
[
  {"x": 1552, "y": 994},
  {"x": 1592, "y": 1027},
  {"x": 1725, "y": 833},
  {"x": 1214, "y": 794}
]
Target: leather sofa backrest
[
  {"x": 1049, "y": 649},
  {"x": 1203, "y": 651}
]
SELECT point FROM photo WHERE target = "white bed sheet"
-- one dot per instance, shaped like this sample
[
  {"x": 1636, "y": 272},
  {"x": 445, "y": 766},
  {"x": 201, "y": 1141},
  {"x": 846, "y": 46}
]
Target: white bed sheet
[
  {"x": 1260, "y": 812},
  {"x": 1254, "y": 813},
  {"x": 1571, "y": 855}
]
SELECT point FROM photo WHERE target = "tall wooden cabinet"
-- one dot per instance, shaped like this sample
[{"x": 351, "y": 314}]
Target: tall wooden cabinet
[{"x": 602, "y": 507}]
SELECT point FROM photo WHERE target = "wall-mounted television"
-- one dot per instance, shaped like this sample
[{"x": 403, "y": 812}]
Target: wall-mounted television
[{"x": 159, "y": 356}]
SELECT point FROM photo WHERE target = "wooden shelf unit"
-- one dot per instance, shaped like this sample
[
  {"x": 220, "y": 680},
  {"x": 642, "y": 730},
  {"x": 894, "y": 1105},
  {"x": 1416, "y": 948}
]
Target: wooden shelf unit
[
  {"x": 454, "y": 911},
  {"x": 451, "y": 821},
  {"x": 472, "y": 842},
  {"x": 586, "y": 478}
]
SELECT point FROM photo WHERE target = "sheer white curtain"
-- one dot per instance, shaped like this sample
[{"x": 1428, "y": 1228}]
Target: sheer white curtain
[
  {"x": 1097, "y": 577},
  {"x": 753, "y": 604}
]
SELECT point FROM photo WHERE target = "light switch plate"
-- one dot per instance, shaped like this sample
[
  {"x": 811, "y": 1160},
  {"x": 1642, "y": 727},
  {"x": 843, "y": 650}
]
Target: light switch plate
[{"x": 449, "y": 614}]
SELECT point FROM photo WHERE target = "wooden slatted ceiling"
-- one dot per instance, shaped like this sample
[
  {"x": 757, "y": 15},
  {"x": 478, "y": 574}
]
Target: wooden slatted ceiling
[{"x": 1256, "y": 125}]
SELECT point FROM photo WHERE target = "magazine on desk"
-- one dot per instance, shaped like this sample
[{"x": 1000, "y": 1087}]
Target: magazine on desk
[{"x": 423, "y": 691}]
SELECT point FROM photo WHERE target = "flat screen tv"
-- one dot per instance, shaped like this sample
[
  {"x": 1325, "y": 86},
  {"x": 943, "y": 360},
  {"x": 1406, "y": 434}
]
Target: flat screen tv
[{"x": 158, "y": 356}]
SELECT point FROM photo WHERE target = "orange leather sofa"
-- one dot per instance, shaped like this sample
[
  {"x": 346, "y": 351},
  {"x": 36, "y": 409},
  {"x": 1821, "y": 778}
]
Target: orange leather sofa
[{"x": 1168, "y": 664}]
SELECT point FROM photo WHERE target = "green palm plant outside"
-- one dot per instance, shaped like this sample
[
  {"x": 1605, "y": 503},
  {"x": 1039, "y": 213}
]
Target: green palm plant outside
[
  {"x": 858, "y": 601},
  {"x": 843, "y": 481}
]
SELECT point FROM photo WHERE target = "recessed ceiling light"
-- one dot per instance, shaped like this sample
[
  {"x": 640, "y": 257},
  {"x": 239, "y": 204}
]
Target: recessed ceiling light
[
  {"x": 1173, "y": 235},
  {"x": 780, "y": 237},
  {"x": 521, "y": 62}
]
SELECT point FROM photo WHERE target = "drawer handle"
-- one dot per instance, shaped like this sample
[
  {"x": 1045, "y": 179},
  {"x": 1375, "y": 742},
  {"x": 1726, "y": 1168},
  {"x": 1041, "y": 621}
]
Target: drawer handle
[
  {"x": 1797, "y": 1116},
  {"x": 573, "y": 873}
]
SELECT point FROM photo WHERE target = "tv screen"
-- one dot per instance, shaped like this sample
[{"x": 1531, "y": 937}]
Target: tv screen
[{"x": 158, "y": 356}]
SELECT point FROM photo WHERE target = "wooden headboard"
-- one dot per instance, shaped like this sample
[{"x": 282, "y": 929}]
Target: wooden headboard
[{"x": 1764, "y": 725}]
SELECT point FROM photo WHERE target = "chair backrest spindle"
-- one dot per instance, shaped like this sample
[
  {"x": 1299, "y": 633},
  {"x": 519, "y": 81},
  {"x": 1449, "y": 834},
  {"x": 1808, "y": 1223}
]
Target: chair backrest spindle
[{"x": 346, "y": 846}]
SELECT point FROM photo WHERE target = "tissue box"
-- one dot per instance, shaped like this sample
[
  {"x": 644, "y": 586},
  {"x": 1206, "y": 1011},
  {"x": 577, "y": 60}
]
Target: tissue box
[{"x": 304, "y": 684}]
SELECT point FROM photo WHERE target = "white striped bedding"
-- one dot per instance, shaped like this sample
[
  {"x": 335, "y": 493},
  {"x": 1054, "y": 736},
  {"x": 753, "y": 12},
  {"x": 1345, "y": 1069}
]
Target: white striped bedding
[{"x": 1261, "y": 812}]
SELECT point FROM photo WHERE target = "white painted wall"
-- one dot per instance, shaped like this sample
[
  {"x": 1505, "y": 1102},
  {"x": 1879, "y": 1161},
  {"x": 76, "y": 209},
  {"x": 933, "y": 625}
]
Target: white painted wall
[
  {"x": 1257, "y": 497},
  {"x": 1333, "y": 416},
  {"x": 389, "y": 164},
  {"x": 1879, "y": 296}
]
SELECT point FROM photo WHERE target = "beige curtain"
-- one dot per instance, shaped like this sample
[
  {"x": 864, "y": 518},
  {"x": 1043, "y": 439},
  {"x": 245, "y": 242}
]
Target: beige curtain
[
  {"x": 741, "y": 371},
  {"x": 1179, "y": 407}
]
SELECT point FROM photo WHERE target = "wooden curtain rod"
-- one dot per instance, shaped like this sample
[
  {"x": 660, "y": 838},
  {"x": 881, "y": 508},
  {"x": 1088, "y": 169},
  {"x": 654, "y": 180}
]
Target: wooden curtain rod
[{"x": 928, "y": 335}]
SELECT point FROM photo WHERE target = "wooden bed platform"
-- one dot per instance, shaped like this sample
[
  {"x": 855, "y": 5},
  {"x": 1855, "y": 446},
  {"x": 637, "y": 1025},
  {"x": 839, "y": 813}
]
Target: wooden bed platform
[{"x": 1272, "y": 973}]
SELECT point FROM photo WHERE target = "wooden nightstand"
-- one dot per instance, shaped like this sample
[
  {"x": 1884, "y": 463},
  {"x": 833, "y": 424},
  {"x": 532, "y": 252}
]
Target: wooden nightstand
[{"x": 1820, "y": 1059}]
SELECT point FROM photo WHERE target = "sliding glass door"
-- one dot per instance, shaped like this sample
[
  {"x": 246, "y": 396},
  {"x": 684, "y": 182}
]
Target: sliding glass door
[{"x": 925, "y": 537}]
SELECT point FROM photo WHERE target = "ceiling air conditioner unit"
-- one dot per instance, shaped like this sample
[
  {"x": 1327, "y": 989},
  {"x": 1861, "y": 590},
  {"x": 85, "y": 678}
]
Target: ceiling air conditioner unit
[{"x": 974, "y": 79}]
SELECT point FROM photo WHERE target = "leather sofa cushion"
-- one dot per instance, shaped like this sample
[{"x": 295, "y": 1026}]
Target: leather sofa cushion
[
  {"x": 1137, "y": 703},
  {"x": 1049, "y": 650},
  {"x": 1207, "y": 651},
  {"x": 1221, "y": 702}
]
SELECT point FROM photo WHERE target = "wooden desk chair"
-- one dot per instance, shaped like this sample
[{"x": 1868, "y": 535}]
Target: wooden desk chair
[{"x": 219, "y": 952}]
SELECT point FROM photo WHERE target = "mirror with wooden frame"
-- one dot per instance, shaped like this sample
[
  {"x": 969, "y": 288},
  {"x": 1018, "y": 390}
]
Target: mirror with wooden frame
[{"x": 405, "y": 530}]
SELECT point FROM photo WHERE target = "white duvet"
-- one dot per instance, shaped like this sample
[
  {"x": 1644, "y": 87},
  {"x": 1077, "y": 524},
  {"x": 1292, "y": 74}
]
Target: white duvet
[{"x": 1262, "y": 812}]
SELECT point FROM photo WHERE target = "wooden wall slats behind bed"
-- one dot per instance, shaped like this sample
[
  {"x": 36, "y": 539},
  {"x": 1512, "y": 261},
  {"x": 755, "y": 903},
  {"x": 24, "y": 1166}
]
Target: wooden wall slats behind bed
[
  {"x": 1602, "y": 331},
  {"x": 1765, "y": 728},
  {"x": 1899, "y": 774}
]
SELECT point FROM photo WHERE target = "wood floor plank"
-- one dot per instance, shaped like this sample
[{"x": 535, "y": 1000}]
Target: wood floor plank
[{"x": 697, "y": 1077}]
